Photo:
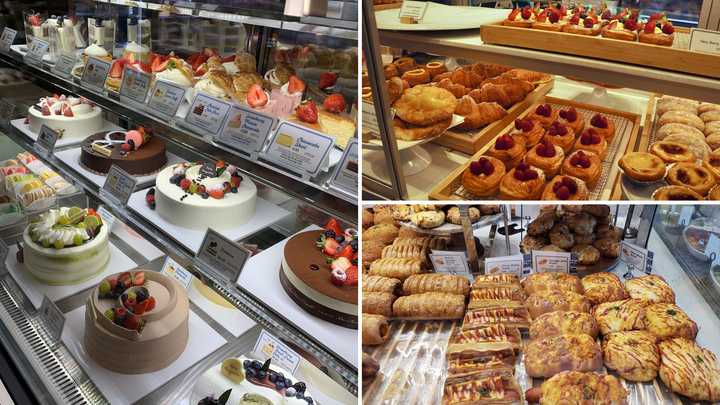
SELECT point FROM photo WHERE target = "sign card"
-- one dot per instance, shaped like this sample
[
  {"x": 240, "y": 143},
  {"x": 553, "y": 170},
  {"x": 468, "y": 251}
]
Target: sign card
[
  {"x": 223, "y": 258},
  {"x": 135, "y": 85},
  {"x": 94, "y": 74},
  {"x": 636, "y": 258},
  {"x": 171, "y": 268},
  {"x": 47, "y": 138},
  {"x": 246, "y": 130},
  {"x": 64, "y": 66},
  {"x": 450, "y": 262},
  {"x": 7, "y": 38},
  {"x": 165, "y": 99},
  {"x": 413, "y": 10},
  {"x": 207, "y": 114},
  {"x": 36, "y": 50},
  {"x": 560, "y": 262},
  {"x": 53, "y": 318},
  {"x": 119, "y": 184},
  {"x": 704, "y": 40},
  {"x": 345, "y": 177},
  {"x": 268, "y": 346},
  {"x": 299, "y": 149},
  {"x": 515, "y": 264}
]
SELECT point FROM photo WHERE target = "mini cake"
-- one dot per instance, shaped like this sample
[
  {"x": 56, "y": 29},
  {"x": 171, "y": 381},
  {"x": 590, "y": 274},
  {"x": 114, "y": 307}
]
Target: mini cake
[
  {"x": 328, "y": 291},
  {"x": 243, "y": 381},
  {"x": 66, "y": 246},
  {"x": 135, "y": 151},
  {"x": 72, "y": 117},
  {"x": 136, "y": 322},
  {"x": 201, "y": 196}
]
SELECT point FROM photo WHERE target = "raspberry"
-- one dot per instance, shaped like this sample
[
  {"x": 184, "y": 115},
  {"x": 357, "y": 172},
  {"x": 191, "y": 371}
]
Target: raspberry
[
  {"x": 185, "y": 183},
  {"x": 546, "y": 149},
  {"x": 504, "y": 142},
  {"x": 544, "y": 109},
  {"x": 475, "y": 168},
  {"x": 569, "y": 115},
  {"x": 588, "y": 23},
  {"x": 668, "y": 29},
  {"x": 557, "y": 129},
  {"x": 523, "y": 124},
  {"x": 554, "y": 16},
  {"x": 526, "y": 13},
  {"x": 562, "y": 193},
  {"x": 580, "y": 159},
  {"x": 630, "y": 25},
  {"x": 575, "y": 20},
  {"x": 599, "y": 121}
]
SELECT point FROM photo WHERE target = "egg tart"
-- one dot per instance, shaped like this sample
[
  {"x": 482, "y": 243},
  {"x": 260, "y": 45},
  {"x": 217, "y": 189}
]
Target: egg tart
[
  {"x": 693, "y": 176},
  {"x": 584, "y": 165},
  {"x": 571, "y": 118},
  {"x": 524, "y": 182},
  {"x": 713, "y": 164},
  {"x": 482, "y": 177},
  {"x": 436, "y": 68},
  {"x": 529, "y": 129},
  {"x": 672, "y": 152},
  {"x": 546, "y": 157},
  {"x": 591, "y": 141},
  {"x": 676, "y": 193},
  {"x": 508, "y": 149},
  {"x": 416, "y": 76},
  {"x": 714, "y": 193},
  {"x": 565, "y": 188},
  {"x": 603, "y": 126},
  {"x": 642, "y": 166},
  {"x": 560, "y": 135},
  {"x": 544, "y": 114}
]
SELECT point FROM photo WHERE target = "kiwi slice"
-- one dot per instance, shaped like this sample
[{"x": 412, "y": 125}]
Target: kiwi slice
[
  {"x": 75, "y": 215},
  {"x": 92, "y": 222}
]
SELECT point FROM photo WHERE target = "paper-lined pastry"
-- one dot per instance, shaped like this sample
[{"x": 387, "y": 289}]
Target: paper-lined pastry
[
  {"x": 396, "y": 268},
  {"x": 510, "y": 317},
  {"x": 375, "y": 329},
  {"x": 381, "y": 284},
  {"x": 377, "y": 303},
  {"x": 445, "y": 283},
  {"x": 497, "y": 296},
  {"x": 430, "y": 306},
  {"x": 490, "y": 390}
]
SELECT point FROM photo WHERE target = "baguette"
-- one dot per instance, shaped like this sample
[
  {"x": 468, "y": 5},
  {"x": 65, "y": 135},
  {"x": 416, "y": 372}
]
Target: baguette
[
  {"x": 375, "y": 329},
  {"x": 445, "y": 283},
  {"x": 430, "y": 306},
  {"x": 396, "y": 268},
  {"x": 378, "y": 303},
  {"x": 381, "y": 284}
]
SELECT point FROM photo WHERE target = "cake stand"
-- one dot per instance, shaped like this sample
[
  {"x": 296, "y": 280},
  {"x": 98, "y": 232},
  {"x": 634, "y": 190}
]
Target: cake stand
[{"x": 448, "y": 228}]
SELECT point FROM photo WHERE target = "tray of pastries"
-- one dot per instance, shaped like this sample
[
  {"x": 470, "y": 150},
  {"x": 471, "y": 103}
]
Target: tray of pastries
[
  {"x": 556, "y": 150},
  {"x": 680, "y": 160}
]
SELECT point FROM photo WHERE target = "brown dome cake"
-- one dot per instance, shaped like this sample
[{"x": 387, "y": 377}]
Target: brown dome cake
[{"x": 134, "y": 151}]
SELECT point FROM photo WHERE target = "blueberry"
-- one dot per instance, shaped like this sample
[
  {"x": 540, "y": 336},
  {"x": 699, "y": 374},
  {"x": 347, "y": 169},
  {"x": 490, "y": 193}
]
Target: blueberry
[
  {"x": 261, "y": 374},
  {"x": 290, "y": 392},
  {"x": 250, "y": 372},
  {"x": 279, "y": 384},
  {"x": 288, "y": 383},
  {"x": 233, "y": 190},
  {"x": 354, "y": 245},
  {"x": 205, "y": 196},
  {"x": 246, "y": 364},
  {"x": 299, "y": 395},
  {"x": 300, "y": 386},
  {"x": 256, "y": 365},
  {"x": 272, "y": 377},
  {"x": 330, "y": 233},
  {"x": 339, "y": 238}
]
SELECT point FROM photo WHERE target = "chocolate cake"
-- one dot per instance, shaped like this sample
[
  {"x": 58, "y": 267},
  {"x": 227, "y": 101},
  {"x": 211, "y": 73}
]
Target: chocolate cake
[{"x": 147, "y": 158}]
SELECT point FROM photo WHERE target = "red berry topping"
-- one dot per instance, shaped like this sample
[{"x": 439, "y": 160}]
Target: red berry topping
[
  {"x": 351, "y": 276},
  {"x": 607, "y": 15},
  {"x": 569, "y": 115},
  {"x": 513, "y": 14},
  {"x": 217, "y": 194},
  {"x": 546, "y": 149},
  {"x": 504, "y": 142},
  {"x": 544, "y": 109},
  {"x": 185, "y": 183},
  {"x": 590, "y": 137},
  {"x": 524, "y": 172},
  {"x": 649, "y": 27},
  {"x": 526, "y": 13},
  {"x": 631, "y": 25},
  {"x": 524, "y": 124},
  {"x": 668, "y": 29},
  {"x": 575, "y": 19},
  {"x": 554, "y": 16},
  {"x": 126, "y": 147},
  {"x": 599, "y": 121},
  {"x": 557, "y": 129},
  {"x": 588, "y": 23},
  {"x": 482, "y": 166},
  {"x": 151, "y": 303},
  {"x": 580, "y": 159}
]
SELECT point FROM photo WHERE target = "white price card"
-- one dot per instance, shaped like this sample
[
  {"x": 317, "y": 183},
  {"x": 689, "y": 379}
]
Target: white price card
[
  {"x": 135, "y": 85},
  {"x": 222, "y": 258},
  {"x": 53, "y": 318},
  {"x": 119, "y": 185},
  {"x": 107, "y": 217},
  {"x": 165, "y": 99},
  {"x": 686, "y": 213},
  {"x": 414, "y": 10},
  {"x": 207, "y": 114},
  {"x": 299, "y": 149},
  {"x": 64, "y": 66},
  {"x": 515, "y": 264},
  {"x": 559, "y": 262},
  {"x": 450, "y": 262},
  {"x": 704, "y": 40},
  {"x": 270, "y": 347},
  {"x": 246, "y": 130},
  {"x": 636, "y": 257},
  {"x": 7, "y": 38},
  {"x": 47, "y": 138},
  {"x": 345, "y": 177},
  {"x": 94, "y": 74},
  {"x": 36, "y": 50},
  {"x": 173, "y": 269}
]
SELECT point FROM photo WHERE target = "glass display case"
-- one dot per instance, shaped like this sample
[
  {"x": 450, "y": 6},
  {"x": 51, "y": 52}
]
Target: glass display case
[{"x": 159, "y": 163}]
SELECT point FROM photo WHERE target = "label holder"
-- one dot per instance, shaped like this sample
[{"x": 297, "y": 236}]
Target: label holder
[
  {"x": 282, "y": 355},
  {"x": 159, "y": 92},
  {"x": 134, "y": 87},
  {"x": 53, "y": 319},
  {"x": 118, "y": 186},
  {"x": 36, "y": 50},
  {"x": 64, "y": 66},
  {"x": 345, "y": 176},
  {"x": 221, "y": 259},
  {"x": 246, "y": 130},
  {"x": 279, "y": 137},
  {"x": 95, "y": 81},
  {"x": 7, "y": 38},
  {"x": 194, "y": 118},
  {"x": 173, "y": 269},
  {"x": 45, "y": 143}
]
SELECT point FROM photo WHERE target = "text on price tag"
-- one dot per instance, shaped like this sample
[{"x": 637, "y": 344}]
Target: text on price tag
[
  {"x": 95, "y": 73},
  {"x": 7, "y": 38},
  {"x": 47, "y": 138},
  {"x": 413, "y": 10},
  {"x": 207, "y": 114},
  {"x": 64, "y": 66},
  {"x": 299, "y": 149},
  {"x": 246, "y": 130},
  {"x": 118, "y": 185},
  {"x": 36, "y": 50},
  {"x": 515, "y": 264},
  {"x": 166, "y": 98},
  {"x": 345, "y": 177},
  {"x": 704, "y": 40},
  {"x": 53, "y": 318},
  {"x": 559, "y": 262},
  {"x": 270, "y": 347},
  {"x": 135, "y": 84},
  {"x": 450, "y": 262},
  {"x": 173, "y": 269},
  {"x": 636, "y": 258},
  {"x": 221, "y": 257}
]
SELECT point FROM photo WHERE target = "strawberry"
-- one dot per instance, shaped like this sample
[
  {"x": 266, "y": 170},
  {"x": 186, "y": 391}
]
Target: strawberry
[
  {"x": 668, "y": 28},
  {"x": 151, "y": 303},
  {"x": 185, "y": 183},
  {"x": 256, "y": 96},
  {"x": 513, "y": 14},
  {"x": 217, "y": 194},
  {"x": 117, "y": 68},
  {"x": 327, "y": 79},
  {"x": 141, "y": 307},
  {"x": 124, "y": 279},
  {"x": 542, "y": 17},
  {"x": 341, "y": 263},
  {"x": 631, "y": 25},
  {"x": 347, "y": 252},
  {"x": 67, "y": 110},
  {"x": 334, "y": 103},
  {"x": 526, "y": 13},
  {"x": 45, "y": 109},
  {"x": 34, "y": 20},
  {"x": 338, "y": 277},
  {"x": 295, "y": 85},
  {"x": 307, "y": 112},
  {"x": 352, "y": 276},
  {"x": 333, "y": 225},
  {"x": 331, "y": 247},
  {"x": 132, "y": 322},
  {"x": 575, "y": 20},
  {"x": 158, "y": 64},
  {"x": 139, "y": 278},
  {"x": 554, "y": 16},
  {"x": 588, "y": 23},
  {"x": 649, "y": 27}
]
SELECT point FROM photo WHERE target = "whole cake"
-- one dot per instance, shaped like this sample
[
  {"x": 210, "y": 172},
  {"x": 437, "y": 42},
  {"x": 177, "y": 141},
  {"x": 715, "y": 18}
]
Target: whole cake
[
  {"x": 66, "y": 246},
  {"x": 203, "y": 195},
  {"x": 135, "y": 151},
  {"x": 328, "y": 291},
  {"x": 243, "y": 381},
  {"x": 136, "y": 322},
  {"x": 72, "y": 117}
]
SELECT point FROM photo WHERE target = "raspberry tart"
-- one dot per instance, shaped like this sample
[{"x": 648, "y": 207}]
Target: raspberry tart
[
  {"x": 565, "y": 188},
  {"x": 524, "y": 182},
  {"x": 546, "y": 156},
  {"x": 603, "y": 126},
  {"x": 672, "y": 152},
  {"x": 560, "y": 135},
  {"x": 584, "y": 165},
  {"x": 510, "y": 150},
  {"x": 520, "y": 17},
  {"x": 529, "y": 129},
  {"x": 549, "y": 19},
  {"x": 544, "y": 114},
  {"x": 571, "y": 118},
  {"x": 591, "y": 141},
  {"x": 695, "y": 177},
  {"x": 482, "y": 177}
]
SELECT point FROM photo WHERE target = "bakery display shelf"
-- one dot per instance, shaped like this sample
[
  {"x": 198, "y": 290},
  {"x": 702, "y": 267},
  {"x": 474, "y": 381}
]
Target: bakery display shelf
[
  {"x": 448, "y": 228},
  {"x": 627, "y": 129}
]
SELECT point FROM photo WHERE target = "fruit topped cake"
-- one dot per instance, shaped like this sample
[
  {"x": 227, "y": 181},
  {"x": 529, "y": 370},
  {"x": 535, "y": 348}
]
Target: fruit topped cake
[
  {"x": 323, "y": 281},
  {"x": 136, "y": 322},
  {"x": 71, "y": 117},
  {"x": 135, "y": 151},
  {"x": 66, "y": 246}
]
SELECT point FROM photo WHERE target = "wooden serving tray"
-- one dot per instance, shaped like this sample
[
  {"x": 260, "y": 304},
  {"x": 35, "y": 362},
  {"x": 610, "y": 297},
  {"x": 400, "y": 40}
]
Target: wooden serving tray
[
  {"x": 677, "y": 57},
  {"x": 472, "y": 141},
  {"x": 389, "y": 6},
  {"x": 608, "y": 186}
]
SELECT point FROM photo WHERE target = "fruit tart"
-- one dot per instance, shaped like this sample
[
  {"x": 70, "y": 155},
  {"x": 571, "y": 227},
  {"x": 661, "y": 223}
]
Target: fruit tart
[
  {"x": 560, "y": 135},
  {"x": 590, "y": 25},
  {"x": 712, "y": 163},
  {"x": 549, "y": 19},
  {"x": 693, "y": 176},
  {"x": 547, "y": 157},
  {"x": 603, "y": 126},
  {"x": 565, "y": 188},
  {"x": 524, "y": 182},
  {"x": 642, "y": 166},
  {"x": 672, "y": 152},
  {"x": 657, "y": 31},
  {"x": 570, "y": 117},
  {"x": 528, "y": 129},
  {"x": 591, "y": 141},
  {"x": 523, "y": 17},
  {"x": 508, "y": 149},
  {"x": 625, "y": 30},
  {"x": 584, "y": 165},
  {"x": 482, "y": 177},
  {"x": 676, "y": 193},
  {"x": 544, "y": 114}
]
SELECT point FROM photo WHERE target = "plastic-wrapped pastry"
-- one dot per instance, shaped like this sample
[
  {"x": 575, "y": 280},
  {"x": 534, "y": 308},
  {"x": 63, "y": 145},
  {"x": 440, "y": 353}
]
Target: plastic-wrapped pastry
[
  {"x": 518, "y": 317},
  {"x": 586, "y": 166},
  {"x": 632, "y": 354},
  {"x": 667, "y": 321},
  {"x": 430, "y": 305},
  {"x": 375, "y": 329},
  {"x": 547, "y": 157},
  {"x": 524, "y": 182},
  {"x": 396, "y": 268},
  {"x": 482, "y": 177},
  {"x": 377, "y": 303},
  {"x": 551, "y": 281},
  {"x": 381, "y": 284},
  {"x": 508, "y": 149},
  {"x": 444, "y": 283},
  {"x": 245, "y": 62},
  {"x": 428, "y": 219},
  {"x": 603, "y": 287},
  {"x": 682, "y": 117}
]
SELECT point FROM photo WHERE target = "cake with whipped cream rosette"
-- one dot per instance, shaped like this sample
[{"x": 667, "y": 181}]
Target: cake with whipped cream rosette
[
  {"x": 65, "y": 246},
  {"x": 203, "y": 195},
  {"x": 71, "y": 117}
]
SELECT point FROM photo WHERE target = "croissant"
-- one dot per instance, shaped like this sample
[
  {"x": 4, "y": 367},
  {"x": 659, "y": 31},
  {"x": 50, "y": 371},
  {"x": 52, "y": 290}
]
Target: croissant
[
  {"x": 378, "y": 303},
  {"x": 381, "y": 284},
  {"x": 430, "y": 305},
  {"x": 493, "y": 70},
  {"x": 446, "y": 283},
  {"x": 375, "y": 329},
  {"x": 395, "y": 87},
  {"x": 503, "y": 94},
  {"x": 396, "y": 268},
  {"x": 526, "y": 86},
  {"x": 478, "y": 115},
  {"x": 458, "y": 90},
  {"x": 467, "y": 78},
  {"x": 404, "y": 252},
  {"x": 530, "y": 76}
]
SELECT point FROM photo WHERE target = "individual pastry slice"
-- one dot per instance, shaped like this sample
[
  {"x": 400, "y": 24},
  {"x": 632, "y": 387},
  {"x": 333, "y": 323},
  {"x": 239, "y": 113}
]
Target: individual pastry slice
[
  {"x": 583, "y": 26},
  {"x": 496, "y": 279},
  {"x": 632, "y": 354},
  {"x": 396, "y": 268},
  {"x": 682, "y": 117},
  {"x": 510, "y": 296},
  {"x": 603, "y": 287},
  {"x": 603, "y": 126},
  {"x": 690, "y": 370},
  {"x": 547, "y": 157},
  {"x": 524, "y": 182},
  {"x": 617, "y": 316},
  {"x": 563, "y": 322},
  {"x": 565, "y": 188},
  {"x": 693, "y": 176},
  {"x": 573, "y": 387},
  {"x": 508, "y": 149},
  {"x": 672, "y": 152},
  {"x": 548, "y": 301},
  {"x": 642, "y": 166},
  {"x": 381, "y": 284},
  {"x": 584, "y": 165},
  {"x": 482, "y": 177},
  {"x": 560, "y": 135},
  {"x": 441, "y": 283},
  {"x": 622, "y": 30},
  {"x": 510, "y": 317},
  {"x": 667, "y": 321},
  {"x": 593, "y": 142},
  {"x": 430, "y": 306},
  {"x": 477, "y": 390},
  {"x": 549, "y": 20},
  {"x": 378, "y": 303},
  {"x": 652, "y": 288},
  {"x": 657, "y": 33},
  {"x": 478, "y": 343},
  {"x": 375, "y": 330},
  {"x": 549, "y": 281},
  {"x": 544, "y": 114},
  {"x": 550, "y": 355},
  {"x": 528, "y": 129},
  {"x": 676, "y": 193}
]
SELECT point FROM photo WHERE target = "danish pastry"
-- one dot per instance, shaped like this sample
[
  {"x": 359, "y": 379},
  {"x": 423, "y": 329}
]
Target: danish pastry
[
  {"x": 587, "y": 26},
  {"x": 676, "y": 193},
  {"x": 482, "y": 177},
  {"x": 591, "y": 141},
  {"x": 507, "y": 149},
  {"x": 560, "y": 135},
  {"x": 404, "y": 64},
  {"x": 416, "y": 76},
  {"x": 544, "y": 114},
  {"x": 584, "y": 165},
  {"x": 524, "y": 182},
  {"x": 671, "y": 152},
  {"x": 656, "y": 36},
  {"x": 682, "y": 117},
  {"x": 425, "y": 105},
  {"x": 570, "y": 117},
  {"x": 642, "y": 166},
  {"x": 522, "y": 18},
  {"x": 603, "y": 126},
  {"x": 531, "y": 130},
  {"x": 435, "y": 68},
  {"x": 548, "y": 20},
  {"x": 546, "y": 157},
  {"x": 693, "y": 176},
  {"x": 565, "y": 188},
  {"x": 625, "y": 31},
  {"x": 714, "y": 193}
]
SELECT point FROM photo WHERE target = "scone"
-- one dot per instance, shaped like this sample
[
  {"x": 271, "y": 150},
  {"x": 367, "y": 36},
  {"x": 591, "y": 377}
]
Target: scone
[
  {"x": 561, "y": 236},
  {"x": 603, "y": 287},
  {"x": 453, "y": 215},
  {"x": 650, "y": 288},
  {"x": 632, "y": 354},
  {"x": 667, "y": 321}
]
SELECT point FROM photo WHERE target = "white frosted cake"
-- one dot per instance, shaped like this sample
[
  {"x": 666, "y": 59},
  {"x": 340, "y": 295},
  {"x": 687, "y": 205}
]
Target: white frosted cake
[
  {"x": 72, "y": 117},
  {"x": 201, "y": 196},
  {"x": 249, "y": 382},
  {"x": 66, "y": 246}
]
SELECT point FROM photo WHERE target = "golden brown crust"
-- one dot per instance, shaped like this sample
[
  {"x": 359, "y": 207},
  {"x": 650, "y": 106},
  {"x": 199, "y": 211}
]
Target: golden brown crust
[
  {"x": 714, "y": 193},
  {"x": 425, "y": 105},
  {"x": 440, "y": 283},
  {"x": 377, "y": 303},
  {"x": 514, "y": 189},
  {"x": 404, "y": 64},
  {"x": 599, "y": 149},
  {"x": 543, "y": 120},
  {"x": 550, "y": 166},
  {"x": 565, "y": 141},
  {"x": 656, "y": 39},
  {"x": 431, "y": 305},
  {"x": 551, "y": 281},
  {"x": 632, "y": 354},
  {"x": 415, "y": 77},
  {"x": 562, "y": 322},
  {"x": 573, "y": 387},
  {"x": 510, "y": 317},
  {"x": 603, "y": 287},
  {"x": 550, "y": 355},
  {"x": 589, "y": 175},
  {"x": 671, "y": 152},
  {"x": 510, "y": 157},
  {"x": 667, "y": 321},
  {"x": 548, "y": 301},
  {"x": 617, "y": 316},
  {"x": 642, "y": 166},
  {"x": 409, "y": 132},
  {"x": 581, "y": 194},
  {"x": 384, "y": 233},
  {"x": 496, "y": 279},
  {"x": 689, "y": 369},
  {"x": 478, "y": 390},
  {"x": 435, "y": 68},
  {"x": 676, "y": 193},
  {"x": 610, "y": 31},
  {"x": 390, "y": 71},
  {"x": 482, "y": 185},
  {"x": 396, "y": 268},
  {"x": 381, "y": 284},
  {"x": 693, "y": 176},
  {"x": 375, "y": 329},
  {"x": 507, "y": 296},
  {"x": 478, "y": 115}
]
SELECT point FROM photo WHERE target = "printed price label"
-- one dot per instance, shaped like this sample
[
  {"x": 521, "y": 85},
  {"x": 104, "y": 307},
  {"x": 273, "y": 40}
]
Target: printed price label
[
  {"x": 223, "y": 258},
  {"x": 704, "y": 40},
  {"x": 450, "y": 262},
  {"x": 686, "y": 213},
  {"x": 207, "y": 114},
  {"x": 119, "y": 184},
  {"x": 64, "y": 66},
  {"x": 135, "y": 85},
  {"x": 299, "y": 149},
  {"x": 636, "y": 258},
  {"x": 414, "y": 10},
  {"x": 36, "y": 50},
  {"x": 107, "y": 217},
  {"x": 7, "y": 38},
  {"x": 95, "y": 73},
  {"x": 515, "y": 264},
  {"x": 166, "y": 98},
  {"x": 53, "y": 318},
  {"x": 560, "y": 262},
  {"x": 345, "y": 177},
  {"x": 268, "y": 346},
  {"x": 246, "y": 130},
  {"x": 46, "y": 140},
  {"x": 171, "y": 268}
]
